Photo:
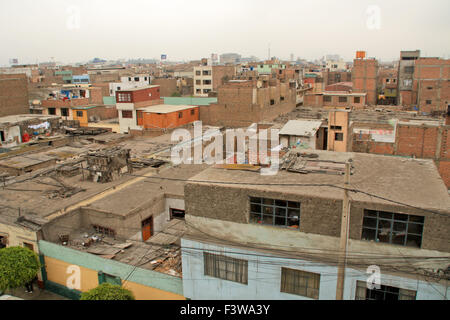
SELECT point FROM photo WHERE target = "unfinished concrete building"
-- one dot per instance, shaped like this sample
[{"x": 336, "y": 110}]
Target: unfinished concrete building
[
  {"x": 405, "y": 76},
  {"x": 288, "y": 226}
]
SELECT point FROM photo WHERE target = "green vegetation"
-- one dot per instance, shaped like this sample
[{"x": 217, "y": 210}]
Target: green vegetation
[
  {"x": 18, "y": 266},
  {"x": 107, "y": 291}
]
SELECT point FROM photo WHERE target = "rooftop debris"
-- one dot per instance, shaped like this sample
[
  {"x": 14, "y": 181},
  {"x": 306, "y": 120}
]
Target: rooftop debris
[
  {"x": 108, "y": 164},
  {"x": 310, "y": 163}
]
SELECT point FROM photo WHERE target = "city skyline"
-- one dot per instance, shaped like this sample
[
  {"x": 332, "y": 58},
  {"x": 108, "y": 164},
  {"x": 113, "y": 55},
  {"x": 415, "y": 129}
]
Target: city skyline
[{"x": 189, "y": 31}]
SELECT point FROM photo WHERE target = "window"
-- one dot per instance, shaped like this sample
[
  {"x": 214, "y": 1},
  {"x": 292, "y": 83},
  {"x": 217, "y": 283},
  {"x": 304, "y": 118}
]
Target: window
[
  {"x": 384, "y": 293},
  {"x": 124, "y": 97},
  {"x": 64, "y": 112},
  {"x": 281, "y": 98},
  {"x": 273, "y": 212},
  {"x": 103, "y": 230},
  {"x": 136, "y": 78},
  {"x": 272, "y": 102},
  {"x": 206, "y": 90},
  {"x": 129, "y": 78},
  {"x": 198, "y": 82},
  {"x": 326, "y": 98},
  {"x": 206, "y": 81},
  {"x": 393, "y": 228},
  {"x": 80, "y": 114},
  {"x": 192, "y": 111},
  {"x": 52, "y": 111},
  {"x": 145, "y": 78},
  {"x": 409, "y": 69},
  {"x": 336, "y": 127},
  {"x": 428, "y": 101},
  {"x": 2, "y": 136},
  {"x": 206, "y": 72},
  {"x": 28, "y": 245},
  {"x": 339, "y": 136},
  {"x": 198, "y": 91},
  {"x": 180, "y": 115},
  {"x": 357, "y": 99},
  {"x": 227, "y": 268},
  {"x": 387, "y": 80},
  {"x": 108, "y": 278},
  {"x": 3, "y": 241},
  {"x": 127, "y": 114},
  {"x": 300, "y": 282},
  {"x": 342, "y": 99},
  {"x": 407, "y": 82},
  {"x": 118, "y": 88},
  {"x": 198, "y": 73},
  {"x": 429, "y": 88},
  {"x": 176, "y": 214}
]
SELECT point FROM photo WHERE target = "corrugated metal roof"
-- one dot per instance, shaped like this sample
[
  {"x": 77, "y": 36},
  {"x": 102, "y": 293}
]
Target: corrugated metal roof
[{"x": 300, "y": 128}]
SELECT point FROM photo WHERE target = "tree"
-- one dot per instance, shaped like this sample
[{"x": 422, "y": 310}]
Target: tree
[
  {"x": 18, "y": 266},
  {"x": 176, "y": 94},
  {"x": 107, "y": 291}
]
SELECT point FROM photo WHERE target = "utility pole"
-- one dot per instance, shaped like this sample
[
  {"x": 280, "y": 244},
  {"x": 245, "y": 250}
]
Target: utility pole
[{"x": 345, "y": 221}]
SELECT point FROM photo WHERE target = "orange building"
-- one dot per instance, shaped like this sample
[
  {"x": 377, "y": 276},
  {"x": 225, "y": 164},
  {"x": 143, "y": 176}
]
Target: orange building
[{"x": 165, "y": 116}]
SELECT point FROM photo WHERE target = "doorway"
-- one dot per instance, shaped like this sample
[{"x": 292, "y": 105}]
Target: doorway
[{"x": 147, "y": 228}]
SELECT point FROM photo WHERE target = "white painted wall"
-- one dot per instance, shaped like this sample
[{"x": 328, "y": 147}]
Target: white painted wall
[
  {"x": 264, "y": 277},
  {"x": 12, "y": 137}
]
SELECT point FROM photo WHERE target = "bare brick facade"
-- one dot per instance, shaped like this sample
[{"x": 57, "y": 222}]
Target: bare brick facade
[{"x": 13, "y": 94}]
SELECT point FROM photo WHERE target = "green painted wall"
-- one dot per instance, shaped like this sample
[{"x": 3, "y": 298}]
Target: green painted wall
[
  {"x": 145, "y": 277},
  {"x": 189, "y": 101}
]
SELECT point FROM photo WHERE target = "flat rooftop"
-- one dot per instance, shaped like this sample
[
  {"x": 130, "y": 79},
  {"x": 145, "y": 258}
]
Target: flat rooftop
[
  {"x": 301, "y": 127},
  {"x": 25, "y": 117},
  {"x": 394, "y": 178},
  {"x": 165, "y": 108}
]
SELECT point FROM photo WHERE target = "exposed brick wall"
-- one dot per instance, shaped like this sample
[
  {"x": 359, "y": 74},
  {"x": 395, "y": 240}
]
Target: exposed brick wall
[
  {"x": 241, "y": 104},
  {"x": 96, "y": 95},
  {"x": 167, "y": 86},
  {"x": 429, "y": 142},
  {"x": 364, "y": 78},
  {"x": 13, "y": 94},
  {"x": 219, "y": 72}
]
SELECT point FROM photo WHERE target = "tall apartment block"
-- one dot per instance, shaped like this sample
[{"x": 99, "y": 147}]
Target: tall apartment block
[
  {"x": 405, "y": 76},
  {"x": 431, "y": 85},
  {"x": 364, "y": 77}
]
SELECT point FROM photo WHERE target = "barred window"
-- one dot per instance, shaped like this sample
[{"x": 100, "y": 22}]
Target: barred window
[
  {"x": 274, "y": 212},
  {"x": 342, "y": 99},
  {"x": 394, "y": 228},
  {"x": 227, "y": 268},
  {"x": 124, "y": 97},
  {"x": 385, "y": 293},
  {"x": 300, "y": 282},
  {"x": 104, "y": 230},
  {"x": 127, "y": 114},
  {"x": 326, "y": 98}
]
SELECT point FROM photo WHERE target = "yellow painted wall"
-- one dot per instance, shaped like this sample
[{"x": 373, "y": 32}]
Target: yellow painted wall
[
  {"x": 338, "y": 118},
  {"x": 142, "y": 292},
  {"x": 83, "y": 120},
  {"x": 57, "y": 272}
]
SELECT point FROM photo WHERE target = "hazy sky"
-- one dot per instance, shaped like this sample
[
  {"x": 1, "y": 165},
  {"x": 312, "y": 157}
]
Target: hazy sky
[{"x": 79, "y": 30}]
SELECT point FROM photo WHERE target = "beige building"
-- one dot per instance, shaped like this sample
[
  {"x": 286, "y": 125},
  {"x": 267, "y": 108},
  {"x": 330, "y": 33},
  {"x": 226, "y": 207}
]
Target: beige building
[{"x": 203, "y": 81}]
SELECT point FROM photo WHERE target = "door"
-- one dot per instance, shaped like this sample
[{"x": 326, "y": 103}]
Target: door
[
  {"x": 139, "y": 118},
  {"x": 147, "y": 229}
]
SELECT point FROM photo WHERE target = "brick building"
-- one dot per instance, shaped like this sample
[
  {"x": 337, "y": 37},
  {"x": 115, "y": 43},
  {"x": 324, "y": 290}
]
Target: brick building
[
  {"x": 128, "y": 101},
  {"x": 288, "y": 226},
  {"x": 412, "y": 138},
  {"x": 13, "y": 94},
  {"x": 364, "y": 78},
  {"x": 405, "y": 76},
  {"x": 243, "y": 102},
  {"x": 431, "y": 85}
]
